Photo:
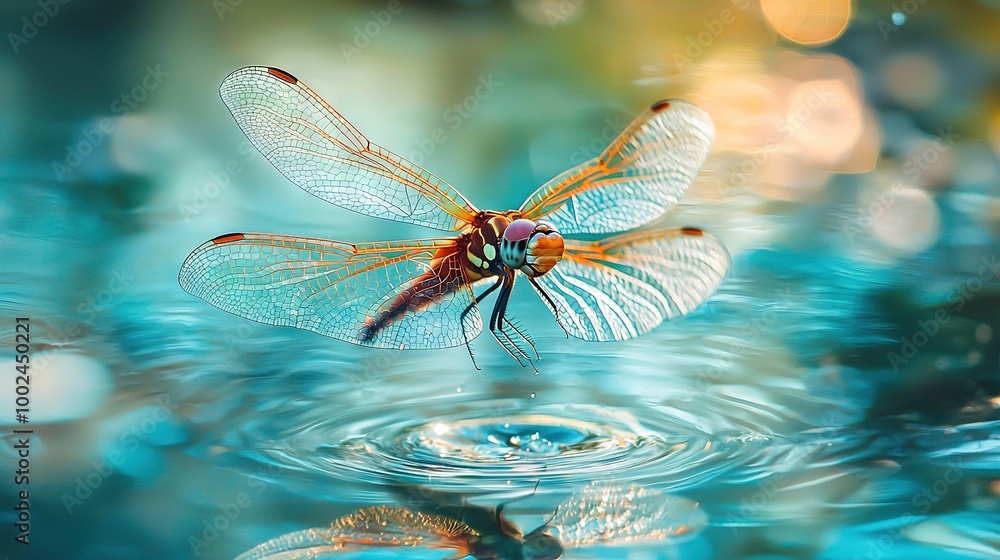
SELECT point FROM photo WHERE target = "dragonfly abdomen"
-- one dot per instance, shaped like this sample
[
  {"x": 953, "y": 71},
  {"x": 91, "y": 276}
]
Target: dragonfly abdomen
[{"x": 444, "y": 277}]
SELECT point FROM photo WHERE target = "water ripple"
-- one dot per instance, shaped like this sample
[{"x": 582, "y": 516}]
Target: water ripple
[{"x": 495, "y": 446}]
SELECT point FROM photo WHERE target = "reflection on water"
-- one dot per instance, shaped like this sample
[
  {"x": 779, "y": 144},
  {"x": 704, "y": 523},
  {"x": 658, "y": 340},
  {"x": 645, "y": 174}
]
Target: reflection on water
[{"x": 600, "y": 514}]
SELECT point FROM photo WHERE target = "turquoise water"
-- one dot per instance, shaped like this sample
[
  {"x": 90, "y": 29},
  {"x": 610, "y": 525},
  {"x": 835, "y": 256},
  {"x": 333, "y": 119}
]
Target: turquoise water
[{"x": 836, "y": 397}]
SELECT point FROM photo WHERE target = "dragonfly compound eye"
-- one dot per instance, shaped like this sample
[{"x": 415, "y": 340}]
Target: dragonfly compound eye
[
  {"x": 514, "y": 243},
  {"x": 545, "y": 250}
]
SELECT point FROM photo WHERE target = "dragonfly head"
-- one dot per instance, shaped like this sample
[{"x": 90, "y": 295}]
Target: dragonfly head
[{"x": 531, "y": 247}]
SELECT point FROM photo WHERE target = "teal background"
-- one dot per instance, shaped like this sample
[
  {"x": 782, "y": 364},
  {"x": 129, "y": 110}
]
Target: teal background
[{"x": 836, "y": 398}]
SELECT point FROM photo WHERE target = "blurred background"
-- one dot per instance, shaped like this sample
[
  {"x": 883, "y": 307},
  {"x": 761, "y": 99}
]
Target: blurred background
[{"x": 836, "y": 398}]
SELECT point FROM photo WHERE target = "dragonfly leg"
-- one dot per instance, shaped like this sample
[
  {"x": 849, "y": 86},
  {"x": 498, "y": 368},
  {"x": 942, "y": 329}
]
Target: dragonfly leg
[
  {"x": 516, "y": 326},
  {"x": 472, "y": 356},
  {"x": 497, "y": 320},
  {"x": 550, "y": 303},
  {"x": 483, "y": 295},
  {"x": 496, "y": 325},
  {"x": 461, "y": 318}
]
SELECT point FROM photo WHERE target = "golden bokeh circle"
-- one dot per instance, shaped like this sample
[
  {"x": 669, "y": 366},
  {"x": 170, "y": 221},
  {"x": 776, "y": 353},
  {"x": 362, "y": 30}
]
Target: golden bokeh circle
[{"x": 808, "y": 22}]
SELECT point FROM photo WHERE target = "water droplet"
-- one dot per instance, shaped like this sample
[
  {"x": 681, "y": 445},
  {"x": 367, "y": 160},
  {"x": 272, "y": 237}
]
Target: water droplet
[
  {"x": 898, "y": 18},
  {"x": 532, "y": 394},
  {"x": 458, "y": 389}
]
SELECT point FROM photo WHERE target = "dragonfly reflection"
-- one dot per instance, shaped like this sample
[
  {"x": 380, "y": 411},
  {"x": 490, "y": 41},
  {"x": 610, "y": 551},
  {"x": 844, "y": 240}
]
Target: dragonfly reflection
[
  {"x": 600, "y": 514},
  {"x": 420, "y": 294}
]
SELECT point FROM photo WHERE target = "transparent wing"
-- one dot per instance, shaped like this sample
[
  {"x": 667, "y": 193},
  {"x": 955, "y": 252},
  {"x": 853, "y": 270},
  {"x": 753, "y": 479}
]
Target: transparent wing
[
  {"x": 300, "y": 545},
  {"x": 626, "y": 285},
  {"x": 635, "y": 180},
  {"x": 608, "y": 514},
  {"x": 377, "y": 526},
  {"x": 416, "y": 290},
  {"x": 318, "y": 150}
]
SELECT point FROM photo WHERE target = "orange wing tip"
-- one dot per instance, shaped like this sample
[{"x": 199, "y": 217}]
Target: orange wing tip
[
  {"x": 697, "y": 232},
  {"x": 659, "y": 106},
  {"x": 228, "y": 238},
  {"x": 282, "y": 75}
]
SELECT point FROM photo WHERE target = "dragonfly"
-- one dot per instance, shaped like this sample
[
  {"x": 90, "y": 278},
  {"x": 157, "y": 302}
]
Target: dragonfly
[
  {"x": 423, "y": 293},
  {"x": 601, "y": 514}
]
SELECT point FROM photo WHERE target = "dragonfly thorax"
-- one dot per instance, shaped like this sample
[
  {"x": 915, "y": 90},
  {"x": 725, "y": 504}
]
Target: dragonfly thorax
[{"x": 531, "y": 247}]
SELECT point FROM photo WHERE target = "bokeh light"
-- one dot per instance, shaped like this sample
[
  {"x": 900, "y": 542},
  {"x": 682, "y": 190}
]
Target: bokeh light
[
  {"x": 914, "y": 79},
  {"x": 808, "y": 22}
]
